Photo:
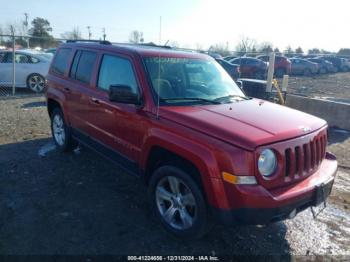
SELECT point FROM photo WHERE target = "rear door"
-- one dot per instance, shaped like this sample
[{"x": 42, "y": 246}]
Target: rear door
[{"x": 80, "y": 90}]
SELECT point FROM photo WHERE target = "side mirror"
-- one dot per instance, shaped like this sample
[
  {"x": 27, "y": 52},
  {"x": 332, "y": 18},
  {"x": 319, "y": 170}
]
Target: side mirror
[{"x": 123, "y": 94}]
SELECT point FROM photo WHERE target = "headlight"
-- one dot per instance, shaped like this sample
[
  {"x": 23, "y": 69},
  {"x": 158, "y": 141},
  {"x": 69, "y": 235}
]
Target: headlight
[{"x": 267, "y": 162}]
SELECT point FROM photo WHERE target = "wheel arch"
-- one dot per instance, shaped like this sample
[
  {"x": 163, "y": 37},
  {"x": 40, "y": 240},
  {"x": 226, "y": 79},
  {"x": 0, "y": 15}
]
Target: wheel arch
[
  {"x": 51, "y": 105},
  {"x": 194, "y": 158},
  {"x": 34, "y": 73}
]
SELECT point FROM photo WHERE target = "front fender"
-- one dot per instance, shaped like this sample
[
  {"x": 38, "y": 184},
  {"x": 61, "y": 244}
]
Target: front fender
[{"x": 198, "y": 154}]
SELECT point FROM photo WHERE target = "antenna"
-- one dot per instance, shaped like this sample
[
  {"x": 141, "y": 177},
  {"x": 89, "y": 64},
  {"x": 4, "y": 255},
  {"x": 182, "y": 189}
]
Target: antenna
[{"x": 158, "y": 82}]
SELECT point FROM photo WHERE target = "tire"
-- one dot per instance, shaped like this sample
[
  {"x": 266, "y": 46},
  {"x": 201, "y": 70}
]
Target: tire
[
  {"x": 36, "y": 83},
  {"x": 307, "y": 72},
  {"x": 185, "y": 221},
  {"x": 61, "y": 133}
]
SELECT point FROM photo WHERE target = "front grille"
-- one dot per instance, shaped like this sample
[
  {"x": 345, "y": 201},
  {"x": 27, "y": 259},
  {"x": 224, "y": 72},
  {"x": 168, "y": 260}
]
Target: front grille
[{"x": 304, "y": 159}]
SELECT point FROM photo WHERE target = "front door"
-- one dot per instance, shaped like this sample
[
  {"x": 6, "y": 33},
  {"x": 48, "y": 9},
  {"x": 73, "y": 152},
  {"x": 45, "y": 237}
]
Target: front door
[{"x": 120, "y": 126}]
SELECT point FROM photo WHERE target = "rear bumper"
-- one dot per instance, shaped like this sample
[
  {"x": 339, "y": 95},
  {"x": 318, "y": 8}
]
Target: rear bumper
[{"x": 260, "y": 206}]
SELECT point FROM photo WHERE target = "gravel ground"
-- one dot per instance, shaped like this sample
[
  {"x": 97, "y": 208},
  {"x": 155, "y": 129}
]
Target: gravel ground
[
  {"x": 79, "y": 203},
  {"x": 327, "y": 86}
]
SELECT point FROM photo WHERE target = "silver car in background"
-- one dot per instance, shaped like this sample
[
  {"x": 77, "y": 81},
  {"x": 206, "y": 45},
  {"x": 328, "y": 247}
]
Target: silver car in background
[{"x": 31, "y": 69}]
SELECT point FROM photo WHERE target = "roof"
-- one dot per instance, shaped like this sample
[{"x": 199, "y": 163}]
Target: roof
[{"x": 144, "y": 50}]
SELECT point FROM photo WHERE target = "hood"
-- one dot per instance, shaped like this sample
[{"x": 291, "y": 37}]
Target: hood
[{"x": 248, "y": 124}]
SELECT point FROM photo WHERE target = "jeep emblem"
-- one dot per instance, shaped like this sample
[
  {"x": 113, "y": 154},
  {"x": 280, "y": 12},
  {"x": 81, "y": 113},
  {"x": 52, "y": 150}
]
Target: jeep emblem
[{"x": 305, "y": 129}]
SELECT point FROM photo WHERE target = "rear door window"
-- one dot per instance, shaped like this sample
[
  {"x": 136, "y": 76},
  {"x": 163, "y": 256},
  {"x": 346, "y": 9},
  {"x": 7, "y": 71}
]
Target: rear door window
[
  {"x": 60, "y": 63},
  {"x": 83, "y": 65}
]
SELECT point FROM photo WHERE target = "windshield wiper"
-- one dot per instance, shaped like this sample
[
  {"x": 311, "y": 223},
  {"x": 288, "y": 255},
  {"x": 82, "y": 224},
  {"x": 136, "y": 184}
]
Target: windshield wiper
[
  {"x": 231, "y": 96},
  {"x": 190, "y": 99}
]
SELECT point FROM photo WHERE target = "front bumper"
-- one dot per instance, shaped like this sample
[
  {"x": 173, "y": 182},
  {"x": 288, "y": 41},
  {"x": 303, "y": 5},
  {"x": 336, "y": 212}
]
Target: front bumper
[{"x": 259, "y": 206}]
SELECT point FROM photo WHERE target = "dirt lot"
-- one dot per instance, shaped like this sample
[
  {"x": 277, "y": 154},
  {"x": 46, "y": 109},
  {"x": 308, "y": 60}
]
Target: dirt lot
[
  {"x": 79, "y": 203},
  {"x": 328, "y": 86}
]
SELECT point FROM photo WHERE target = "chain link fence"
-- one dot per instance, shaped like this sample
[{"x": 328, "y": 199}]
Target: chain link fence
[{"x": 24, "y": 64}]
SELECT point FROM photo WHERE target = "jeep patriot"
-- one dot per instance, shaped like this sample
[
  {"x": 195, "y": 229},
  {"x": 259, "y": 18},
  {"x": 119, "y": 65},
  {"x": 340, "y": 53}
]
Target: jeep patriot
[{"x": 176, "y": 119}]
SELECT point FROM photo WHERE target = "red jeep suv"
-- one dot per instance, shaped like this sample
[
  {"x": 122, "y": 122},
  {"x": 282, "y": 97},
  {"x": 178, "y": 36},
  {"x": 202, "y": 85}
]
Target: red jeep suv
[{"x": 176, "y": 119}]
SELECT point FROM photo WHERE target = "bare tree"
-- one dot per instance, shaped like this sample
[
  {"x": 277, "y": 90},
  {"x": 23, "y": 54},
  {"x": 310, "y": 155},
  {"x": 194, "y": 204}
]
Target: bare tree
[
  {"x": 299, "y": 50},
  {"x": 136, "y": 37},
  {"x": 199, "y": 47},
  {"x": 265, "y": 47},
  {"x": 220, "y": 48},
  {"x": 288, "y": 50},
  {"x": 246, "y": 45},
  {"x": 15, "y": 28},
  {"x": 174, "y": 44},
  {"x": 75, "y": 34}
]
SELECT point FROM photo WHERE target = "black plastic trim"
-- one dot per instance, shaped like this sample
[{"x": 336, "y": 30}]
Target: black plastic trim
[{"x": 120, "y": 160}]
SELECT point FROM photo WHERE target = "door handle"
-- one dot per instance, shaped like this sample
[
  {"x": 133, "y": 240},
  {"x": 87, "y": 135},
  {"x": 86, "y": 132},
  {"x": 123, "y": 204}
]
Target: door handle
[
  {"x": 95, "y": 101},
  {"x": 66, "y": 89}
]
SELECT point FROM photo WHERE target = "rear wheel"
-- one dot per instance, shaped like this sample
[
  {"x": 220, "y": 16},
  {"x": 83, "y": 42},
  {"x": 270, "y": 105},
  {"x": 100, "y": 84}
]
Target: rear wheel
[
  {"x": 61, "y": 132},
  {"x": 177, "y": 201},
  {"x": 36, "y": 83}
]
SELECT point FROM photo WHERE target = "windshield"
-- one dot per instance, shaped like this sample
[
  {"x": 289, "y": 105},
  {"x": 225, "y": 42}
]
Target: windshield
[{"x": 183, "y": 80}]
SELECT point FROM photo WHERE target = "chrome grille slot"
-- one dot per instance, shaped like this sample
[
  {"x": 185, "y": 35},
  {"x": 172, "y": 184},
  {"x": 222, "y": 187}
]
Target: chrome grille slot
[
  {"x": 303, "y": 159},
  {"x": 297, "y": 160},
  {"x": 287, "y": 157}
]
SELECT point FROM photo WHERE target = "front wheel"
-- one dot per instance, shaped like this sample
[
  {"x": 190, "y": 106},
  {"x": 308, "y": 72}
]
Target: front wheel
[
  {"x": 177, "y": 201},
  {"x": 61, "y": 132}
]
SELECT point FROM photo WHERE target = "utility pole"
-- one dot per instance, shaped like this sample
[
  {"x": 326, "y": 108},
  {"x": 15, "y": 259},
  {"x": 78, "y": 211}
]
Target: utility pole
[
  {"x": 89, "y": 30},
  {"x": 25, "y": 23},
  {"x": 12, "y": 30},
  {"x": 104, "y": 34}
]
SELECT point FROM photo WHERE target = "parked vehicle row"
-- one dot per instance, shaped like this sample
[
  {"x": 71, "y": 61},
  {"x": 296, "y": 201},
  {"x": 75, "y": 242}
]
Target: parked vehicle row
[
  {"x": 32, "y": 66},
  {"x": 298, "y": 65}
]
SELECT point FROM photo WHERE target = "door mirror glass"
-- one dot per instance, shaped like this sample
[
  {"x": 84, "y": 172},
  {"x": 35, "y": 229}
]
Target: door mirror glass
[{"x": 123, "y": 94}]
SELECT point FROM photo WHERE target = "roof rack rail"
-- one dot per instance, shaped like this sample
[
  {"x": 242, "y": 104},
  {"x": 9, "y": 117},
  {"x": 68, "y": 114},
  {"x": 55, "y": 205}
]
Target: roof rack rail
[
  {"x": 150, "y": 44},
  {"x": 102, "y": 42}
]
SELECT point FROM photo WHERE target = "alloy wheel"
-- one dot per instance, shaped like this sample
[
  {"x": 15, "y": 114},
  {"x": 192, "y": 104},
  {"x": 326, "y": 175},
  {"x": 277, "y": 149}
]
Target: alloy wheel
[
  {"x": 58, "y": 130},
  {"x": 36, "y": 83},
  {"x": 175, "y": 202}
]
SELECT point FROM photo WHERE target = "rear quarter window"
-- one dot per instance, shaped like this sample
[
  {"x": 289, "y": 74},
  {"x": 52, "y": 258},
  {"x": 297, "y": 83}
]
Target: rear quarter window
[{"x": 60, "y": 64}]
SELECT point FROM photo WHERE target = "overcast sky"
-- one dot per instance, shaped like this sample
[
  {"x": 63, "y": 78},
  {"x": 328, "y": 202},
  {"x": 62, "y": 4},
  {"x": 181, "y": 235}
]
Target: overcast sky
[{"x": 305, "y": 23}]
